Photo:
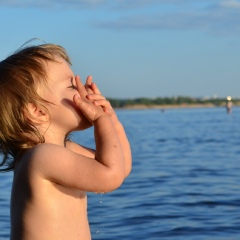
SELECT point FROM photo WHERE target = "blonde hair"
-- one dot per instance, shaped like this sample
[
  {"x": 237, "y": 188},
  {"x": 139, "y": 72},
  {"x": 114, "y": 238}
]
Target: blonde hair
[{"x": 20, "y": 74}]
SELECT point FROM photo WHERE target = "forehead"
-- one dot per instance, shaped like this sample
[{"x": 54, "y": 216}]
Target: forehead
[
  {"x": 58, "y": 70},
  {"x": 57, "y": 73}
]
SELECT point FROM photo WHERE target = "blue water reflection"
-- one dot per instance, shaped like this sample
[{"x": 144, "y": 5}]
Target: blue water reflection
[{"x": 185, "y": 182}]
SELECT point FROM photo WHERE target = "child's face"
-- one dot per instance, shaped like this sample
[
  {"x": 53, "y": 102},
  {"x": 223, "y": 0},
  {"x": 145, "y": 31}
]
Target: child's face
[{"x": 60, "y": 89}]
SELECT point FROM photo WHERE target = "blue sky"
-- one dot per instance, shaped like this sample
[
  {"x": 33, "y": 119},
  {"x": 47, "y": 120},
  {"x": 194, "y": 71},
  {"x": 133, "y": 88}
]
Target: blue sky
[{"x": 136, "y": 48}]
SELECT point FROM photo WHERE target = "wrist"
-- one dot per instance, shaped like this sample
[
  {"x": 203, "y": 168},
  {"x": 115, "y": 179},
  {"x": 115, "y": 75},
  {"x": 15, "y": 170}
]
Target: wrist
[{"x": 103, "y": 117}]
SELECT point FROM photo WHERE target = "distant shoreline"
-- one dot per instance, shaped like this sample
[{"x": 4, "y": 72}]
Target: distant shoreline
[
  {"x": 171, "y": 102},
  {"x": 171, "y": 106}
]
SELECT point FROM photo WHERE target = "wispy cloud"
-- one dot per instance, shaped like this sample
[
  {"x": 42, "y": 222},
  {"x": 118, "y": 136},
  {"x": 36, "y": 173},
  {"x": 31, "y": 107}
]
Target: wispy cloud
[
  {"x": 45, "y": 4},
  {"x": 230, "y": 3},
  {"x": 106, "y": 4},
  {"x": 217, "y": 17},
  {"x": 221, "y": 18},
  {"x": 110, "y": 4}
]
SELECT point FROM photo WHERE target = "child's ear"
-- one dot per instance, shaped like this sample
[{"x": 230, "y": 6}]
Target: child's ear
[{"x": 36, "y": 114}]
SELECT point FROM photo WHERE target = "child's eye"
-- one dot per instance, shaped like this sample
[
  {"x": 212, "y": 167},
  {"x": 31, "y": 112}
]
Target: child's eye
[{"x": 73, "y": 87}]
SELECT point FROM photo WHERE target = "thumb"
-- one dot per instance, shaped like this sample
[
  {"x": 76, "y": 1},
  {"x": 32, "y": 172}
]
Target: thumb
[
  {"x": 108, "y": 111},
  {"x": 86, "y": 108},
  {"x": 77, "y": 99}
]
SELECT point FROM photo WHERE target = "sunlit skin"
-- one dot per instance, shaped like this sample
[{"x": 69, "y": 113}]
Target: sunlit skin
[{"x": 51, "y": 180}]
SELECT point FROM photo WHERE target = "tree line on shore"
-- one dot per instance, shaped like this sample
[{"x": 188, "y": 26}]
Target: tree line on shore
[{"x": 160, "y": 101}]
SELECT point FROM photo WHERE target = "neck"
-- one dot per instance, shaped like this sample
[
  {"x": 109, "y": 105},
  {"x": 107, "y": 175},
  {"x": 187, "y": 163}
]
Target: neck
[{"x": 53, "y": 136}]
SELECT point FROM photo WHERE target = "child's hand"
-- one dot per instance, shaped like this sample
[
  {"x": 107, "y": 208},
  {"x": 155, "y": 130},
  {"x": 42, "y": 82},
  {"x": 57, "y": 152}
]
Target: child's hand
[
  {"x": 88, "y": 85},
  {"x": 95, "y": 96},
  {"x": 98, "y": 99},
  {"x": 90, "y": 110}
]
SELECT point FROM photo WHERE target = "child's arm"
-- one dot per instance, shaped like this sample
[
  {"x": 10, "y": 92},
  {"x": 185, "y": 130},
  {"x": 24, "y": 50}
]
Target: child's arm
[
  {"x": 77, "y": 148},
  {"x": 96, "y": 97},
  {"x": 104, "y": 173}
]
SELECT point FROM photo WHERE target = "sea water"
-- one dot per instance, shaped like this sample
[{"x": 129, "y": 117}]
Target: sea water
[{"x": 185, "y": 181}]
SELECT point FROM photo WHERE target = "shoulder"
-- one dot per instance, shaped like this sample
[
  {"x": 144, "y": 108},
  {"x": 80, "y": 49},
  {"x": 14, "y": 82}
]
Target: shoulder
[
  {"x": 46, "y": 153},
  {"x": 32, "y": 160},
  {"x": 39, "y": 152},
  {"x": 62, "y": 165},
  {"x": 45, "y": 159}
]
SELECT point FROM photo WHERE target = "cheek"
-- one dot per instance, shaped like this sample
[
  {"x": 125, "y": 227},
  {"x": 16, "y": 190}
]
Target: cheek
[
  {"x": 50, "y": 97},
  {"x": 70, "y": 107},
  {"x": 83, "y": 122},
  {"x": 52, "y": 93},
  {"x": 68, "y": 103}
]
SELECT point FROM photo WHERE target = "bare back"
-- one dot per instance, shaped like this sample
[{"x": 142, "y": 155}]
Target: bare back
[{"x": 41, "y": 209}]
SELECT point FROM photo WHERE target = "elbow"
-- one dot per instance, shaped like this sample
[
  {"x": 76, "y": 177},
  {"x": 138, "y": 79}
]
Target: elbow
[
  {"x": 128, "y": 171},
  {"x": 115, "y": 180},
  {"x": 128, "y": 167}
]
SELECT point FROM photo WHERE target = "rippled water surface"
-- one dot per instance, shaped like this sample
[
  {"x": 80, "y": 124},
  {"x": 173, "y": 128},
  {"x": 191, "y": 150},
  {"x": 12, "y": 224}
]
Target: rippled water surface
[{"x": 185, "y": 182}]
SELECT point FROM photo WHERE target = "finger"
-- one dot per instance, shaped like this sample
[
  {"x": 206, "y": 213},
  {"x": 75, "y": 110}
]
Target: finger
[
  {"x": 88, "y": 85},
  {"x": 95, "y": 97},
  {"x": 89, "y": 80},
  {"x": 77, "y": 99},
  {"x": 79, "y": 102},
  {"x": 80, "y": 87},
  {"x": 103, "y": 103},
  {"x": 84, "y": 107},
  {"x": 108, "y": 111},
  {"x": 95, "y": 88}
]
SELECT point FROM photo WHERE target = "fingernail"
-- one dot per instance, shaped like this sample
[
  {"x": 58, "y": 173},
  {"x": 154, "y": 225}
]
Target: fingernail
[{"x": 77, "y": 97}]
